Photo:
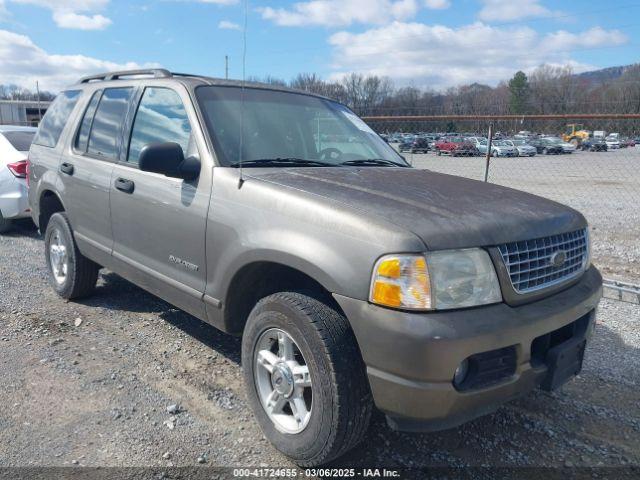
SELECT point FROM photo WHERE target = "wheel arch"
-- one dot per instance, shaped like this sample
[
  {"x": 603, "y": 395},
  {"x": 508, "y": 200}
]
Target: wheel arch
[
  {"x": 49, "y": 203},
  {"x": 260, "y": 278}
]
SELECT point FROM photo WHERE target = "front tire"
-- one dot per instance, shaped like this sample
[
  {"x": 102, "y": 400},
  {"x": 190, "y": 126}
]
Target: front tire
[
  {"x": 305, "y": 378},
  {"x": 72, "y": 274}
]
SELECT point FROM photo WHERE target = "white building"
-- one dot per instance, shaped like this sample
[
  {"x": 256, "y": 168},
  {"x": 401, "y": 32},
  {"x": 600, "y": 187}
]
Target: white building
[{"x": 22, "y": 112}]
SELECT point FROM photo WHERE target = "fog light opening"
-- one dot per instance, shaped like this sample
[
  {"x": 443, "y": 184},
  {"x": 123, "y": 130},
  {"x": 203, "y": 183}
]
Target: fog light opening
[{"x": 461, "y": 372}]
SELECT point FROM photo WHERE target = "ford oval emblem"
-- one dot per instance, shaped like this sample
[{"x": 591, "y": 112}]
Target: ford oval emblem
[{"x": 558, "y": 258}]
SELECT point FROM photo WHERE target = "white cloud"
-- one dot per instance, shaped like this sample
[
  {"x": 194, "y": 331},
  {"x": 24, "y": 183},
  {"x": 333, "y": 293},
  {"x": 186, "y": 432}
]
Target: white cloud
[
  {"x": 227, "y": 25},
  {"x": 22, "y": 62},
  {"x": 216, "y": 2},
  {"x": 437, "y": 4},
  {"x": 65, "y": 12},
  {"x": 507, "y": 10},
  {"x": 336, "y": 13},
  {"x": 80, "y": 22},
  {"x": 74, "y": 5},
  {"x": 435, "y": 56},
  {"x": 593, "y": 38}
]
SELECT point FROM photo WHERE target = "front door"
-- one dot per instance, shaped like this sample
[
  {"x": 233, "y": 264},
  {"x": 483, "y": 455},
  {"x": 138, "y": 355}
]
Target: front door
[{"x": 159, "y": 223}]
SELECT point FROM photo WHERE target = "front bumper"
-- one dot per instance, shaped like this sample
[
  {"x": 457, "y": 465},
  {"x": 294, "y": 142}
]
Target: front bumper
[
  {"x": 411, "y": 357},
  {"x": 14, "y": 201}
]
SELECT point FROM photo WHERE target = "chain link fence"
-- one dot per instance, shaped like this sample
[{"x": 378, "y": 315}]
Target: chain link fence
[{"x": 603, "y": 185}]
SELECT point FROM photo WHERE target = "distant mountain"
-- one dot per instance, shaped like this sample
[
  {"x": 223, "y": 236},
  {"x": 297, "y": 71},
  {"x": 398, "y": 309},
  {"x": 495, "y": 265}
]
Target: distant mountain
[{"x": 605, "y": 74}]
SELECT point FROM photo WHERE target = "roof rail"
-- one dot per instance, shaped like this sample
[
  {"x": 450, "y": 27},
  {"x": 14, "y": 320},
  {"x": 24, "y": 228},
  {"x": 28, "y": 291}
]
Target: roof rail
[{"x": 155, "y": 72}]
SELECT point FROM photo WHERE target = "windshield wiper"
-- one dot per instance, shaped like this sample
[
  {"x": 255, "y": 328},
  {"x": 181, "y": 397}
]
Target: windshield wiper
[
  {"x": 374, "y": 161},
  {"x": 280, "y": 161}
]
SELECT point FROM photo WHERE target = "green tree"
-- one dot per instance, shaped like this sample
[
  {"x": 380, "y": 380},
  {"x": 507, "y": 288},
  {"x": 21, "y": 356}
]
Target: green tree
[{"x": 519, "y": 93}]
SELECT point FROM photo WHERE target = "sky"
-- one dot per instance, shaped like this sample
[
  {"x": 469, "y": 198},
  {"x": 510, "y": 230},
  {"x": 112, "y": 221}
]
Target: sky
[{"x": 429, "y": 44}]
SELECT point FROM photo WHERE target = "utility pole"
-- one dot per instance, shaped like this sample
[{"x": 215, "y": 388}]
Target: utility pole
[
  {"x": 39, "y": 109},
  {"x": 226, "y": 67}
]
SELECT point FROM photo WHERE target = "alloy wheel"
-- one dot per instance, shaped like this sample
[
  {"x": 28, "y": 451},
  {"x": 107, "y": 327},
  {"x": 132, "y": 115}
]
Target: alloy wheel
[
  {"x": 283, "y": 381},
  {"x": 58, "y": 258}
]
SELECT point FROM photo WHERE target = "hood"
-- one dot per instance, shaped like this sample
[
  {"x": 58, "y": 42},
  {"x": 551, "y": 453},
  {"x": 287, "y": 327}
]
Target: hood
[{"x": 445, "y": 211}]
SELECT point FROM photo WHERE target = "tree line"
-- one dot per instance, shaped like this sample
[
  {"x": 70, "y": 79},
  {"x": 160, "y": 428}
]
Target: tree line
[
  {"x": 547, "y": 90},
  {"x": 15, "y": 92}
]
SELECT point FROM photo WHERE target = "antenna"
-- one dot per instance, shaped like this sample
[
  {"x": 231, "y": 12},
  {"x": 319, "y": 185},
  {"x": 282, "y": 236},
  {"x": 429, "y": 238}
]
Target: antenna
[{"x": 244, "y": 72}]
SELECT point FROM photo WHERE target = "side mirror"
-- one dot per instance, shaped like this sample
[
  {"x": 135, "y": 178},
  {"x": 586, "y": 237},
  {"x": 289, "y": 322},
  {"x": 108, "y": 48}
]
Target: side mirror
[{"x": 168, "y": 159}]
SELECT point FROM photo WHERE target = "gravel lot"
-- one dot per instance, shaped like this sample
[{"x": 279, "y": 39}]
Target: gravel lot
[
  {"x": 604, "y": 186},
  {"x": 90, "y": 384}
]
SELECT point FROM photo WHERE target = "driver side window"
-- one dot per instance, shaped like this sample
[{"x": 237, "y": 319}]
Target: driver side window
[{"x": 161, "y": 118}]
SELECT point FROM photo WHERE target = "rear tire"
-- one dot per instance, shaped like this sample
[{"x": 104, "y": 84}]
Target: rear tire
[
  {"x": 5, "y": 224},
  {"x": 72, "y": 274},
  {"x": 339, "y": 401}
]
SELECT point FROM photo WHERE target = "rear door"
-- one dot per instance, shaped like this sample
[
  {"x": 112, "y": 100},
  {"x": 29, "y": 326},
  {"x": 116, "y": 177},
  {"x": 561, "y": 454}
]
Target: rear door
[
  {"x": 159, "y": 223},
  {"x": 49, "y": 142},
  {"x": 87, "y": 167}
]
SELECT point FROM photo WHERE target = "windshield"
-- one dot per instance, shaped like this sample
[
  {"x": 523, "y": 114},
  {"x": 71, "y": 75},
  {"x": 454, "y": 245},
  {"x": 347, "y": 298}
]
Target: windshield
[
  {"x": 20, "y": 140},
  {"x": 501, "y": 143},
  {"x": 280, "y": 126}
]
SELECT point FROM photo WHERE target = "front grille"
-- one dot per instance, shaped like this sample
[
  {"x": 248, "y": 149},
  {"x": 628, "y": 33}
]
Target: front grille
[{"x": 529, "y": 263}]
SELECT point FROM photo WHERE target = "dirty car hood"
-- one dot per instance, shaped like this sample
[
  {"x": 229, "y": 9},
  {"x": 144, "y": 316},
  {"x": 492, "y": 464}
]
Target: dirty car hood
[{"x": 445, "y": 211}]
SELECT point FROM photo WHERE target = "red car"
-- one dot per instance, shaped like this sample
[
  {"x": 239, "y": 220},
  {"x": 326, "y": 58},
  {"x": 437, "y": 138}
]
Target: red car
[{"x": 455, "y": 146}]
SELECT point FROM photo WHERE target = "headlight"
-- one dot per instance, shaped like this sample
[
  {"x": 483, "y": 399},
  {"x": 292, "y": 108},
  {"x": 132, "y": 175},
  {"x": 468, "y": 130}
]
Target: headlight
[
  {"x": 439, "y": 280},
  {"x": 463, "y": 278}
]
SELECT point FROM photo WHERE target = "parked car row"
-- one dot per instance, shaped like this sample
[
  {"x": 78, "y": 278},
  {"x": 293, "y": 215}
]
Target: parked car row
[
  {"x": 523, "y": 144},
  {"x": 476, "y": 145}
]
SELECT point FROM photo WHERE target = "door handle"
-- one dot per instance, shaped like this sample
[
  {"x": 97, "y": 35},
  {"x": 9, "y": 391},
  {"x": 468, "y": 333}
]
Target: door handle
[
  {"x": 66, "y": 168},
  {"x": 124, "y": 185}
]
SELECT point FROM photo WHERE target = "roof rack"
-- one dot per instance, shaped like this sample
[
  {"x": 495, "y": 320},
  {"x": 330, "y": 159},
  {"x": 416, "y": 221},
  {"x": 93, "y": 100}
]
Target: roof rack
[{"x": 104, "y": 77}]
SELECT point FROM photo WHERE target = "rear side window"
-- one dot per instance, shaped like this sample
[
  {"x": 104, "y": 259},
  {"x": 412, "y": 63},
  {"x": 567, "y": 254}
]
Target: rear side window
[
  {"x": 56, "y": 118},
  {"x": 82, "y": 139},
  {"x": 107, "y": 122},
  {"x": 161, "y": 118},
  {"x": 21, "y": 141}
]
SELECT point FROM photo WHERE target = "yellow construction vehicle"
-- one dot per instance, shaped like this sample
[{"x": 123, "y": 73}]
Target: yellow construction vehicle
[{"x": 575, "y": 134}]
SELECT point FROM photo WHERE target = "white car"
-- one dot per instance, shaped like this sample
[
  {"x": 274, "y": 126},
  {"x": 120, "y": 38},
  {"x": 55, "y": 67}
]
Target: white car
[
  {"x": 502, "y": 148},
  {"x": 14, "y": 150},
  {"x": 613, "y": 142},
  {"x": 524, "y": 149}
]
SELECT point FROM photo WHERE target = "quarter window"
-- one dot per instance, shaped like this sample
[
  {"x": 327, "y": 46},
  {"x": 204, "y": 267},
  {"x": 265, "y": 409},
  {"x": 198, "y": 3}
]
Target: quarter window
[
  {"x": 83, "y": 134},
  {"x": 108, "y": 120},
  {"x": 161, "y": 118},
  {"x": 56, "y": 118}
]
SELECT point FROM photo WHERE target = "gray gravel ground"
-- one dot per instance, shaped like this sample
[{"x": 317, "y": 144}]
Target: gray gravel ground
[{"x": 91, "y": 384}]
